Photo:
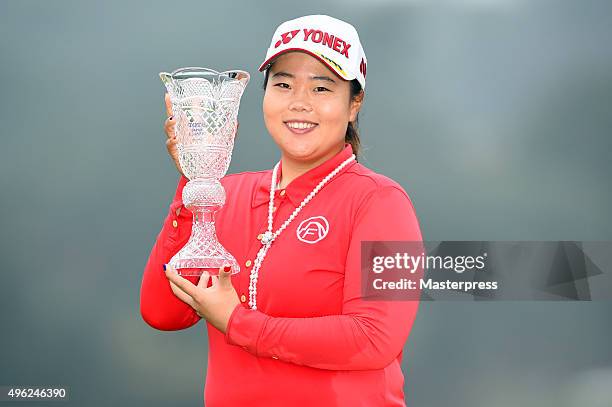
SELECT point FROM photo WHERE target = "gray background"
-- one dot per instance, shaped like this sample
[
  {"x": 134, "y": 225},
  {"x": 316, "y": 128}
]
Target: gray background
[{"x": 493, "y": 115}]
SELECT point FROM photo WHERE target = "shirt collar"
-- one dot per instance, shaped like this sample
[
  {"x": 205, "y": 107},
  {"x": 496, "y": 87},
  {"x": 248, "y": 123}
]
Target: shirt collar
[{"x": 300, "y": 187}]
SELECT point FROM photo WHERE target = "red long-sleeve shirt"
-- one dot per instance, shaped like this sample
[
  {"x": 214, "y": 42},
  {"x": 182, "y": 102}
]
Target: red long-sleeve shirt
[{"x": 313, "y": 340}]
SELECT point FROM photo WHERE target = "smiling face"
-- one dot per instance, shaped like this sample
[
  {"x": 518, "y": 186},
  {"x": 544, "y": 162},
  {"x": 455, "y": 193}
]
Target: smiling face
[{"x": 307, "y": 108}]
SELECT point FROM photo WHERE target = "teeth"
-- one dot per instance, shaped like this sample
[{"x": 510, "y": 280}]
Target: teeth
[{"x": 300, "y": 125}]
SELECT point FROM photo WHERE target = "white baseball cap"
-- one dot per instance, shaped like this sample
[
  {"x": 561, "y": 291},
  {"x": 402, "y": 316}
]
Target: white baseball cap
[{"x": 333, "y": 42}]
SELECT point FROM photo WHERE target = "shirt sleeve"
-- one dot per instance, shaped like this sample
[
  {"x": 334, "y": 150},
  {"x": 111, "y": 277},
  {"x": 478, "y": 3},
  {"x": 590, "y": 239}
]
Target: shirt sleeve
[
  {"x": 159, "y": 307},
  {"x": 368, "y": 334}
]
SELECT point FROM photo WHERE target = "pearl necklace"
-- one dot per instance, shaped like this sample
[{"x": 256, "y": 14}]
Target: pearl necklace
[{"x": 269, "y": 237}]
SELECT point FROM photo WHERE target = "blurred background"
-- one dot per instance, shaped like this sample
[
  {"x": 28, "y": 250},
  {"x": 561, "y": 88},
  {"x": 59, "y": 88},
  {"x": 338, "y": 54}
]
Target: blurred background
[{"x": 494, "y": 115}]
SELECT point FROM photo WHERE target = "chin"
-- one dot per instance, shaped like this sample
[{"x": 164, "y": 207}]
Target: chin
[
  {"x": 297, "y": 147},
  {"x": 300, "y": 152}
]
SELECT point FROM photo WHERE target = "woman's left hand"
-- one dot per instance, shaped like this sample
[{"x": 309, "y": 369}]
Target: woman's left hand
[{"x": 215, "y": 303}]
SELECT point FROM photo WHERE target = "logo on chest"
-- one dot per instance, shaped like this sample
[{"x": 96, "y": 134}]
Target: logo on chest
[{"x": 312, "y": 230}]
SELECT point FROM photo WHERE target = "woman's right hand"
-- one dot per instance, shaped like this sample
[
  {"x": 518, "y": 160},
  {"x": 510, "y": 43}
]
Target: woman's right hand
[{"x": 170, "y": 135}]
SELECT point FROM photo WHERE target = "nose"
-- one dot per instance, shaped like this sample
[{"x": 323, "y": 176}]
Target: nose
[{"x": 300, "y": 102}]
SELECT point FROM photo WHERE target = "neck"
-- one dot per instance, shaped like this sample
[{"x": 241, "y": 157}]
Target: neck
[{"x": 294, "y": 168}]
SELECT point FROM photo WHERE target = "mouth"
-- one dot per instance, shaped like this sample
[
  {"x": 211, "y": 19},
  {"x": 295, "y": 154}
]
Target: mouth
[{"x": 300, "y": 127}]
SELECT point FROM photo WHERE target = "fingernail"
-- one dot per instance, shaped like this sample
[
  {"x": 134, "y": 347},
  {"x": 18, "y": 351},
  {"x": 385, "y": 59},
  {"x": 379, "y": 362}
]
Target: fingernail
[
  {"x": 227, "y": 268},
  {"x": 164, "y": 267}
]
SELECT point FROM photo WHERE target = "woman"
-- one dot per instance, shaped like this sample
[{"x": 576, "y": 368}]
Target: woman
[{"x": 293, "y": 329}]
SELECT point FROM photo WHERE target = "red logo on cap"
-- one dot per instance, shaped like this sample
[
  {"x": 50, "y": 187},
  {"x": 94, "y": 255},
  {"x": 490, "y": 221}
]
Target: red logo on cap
[
  {"x": 286, "y": 37},
  {"x": 362, "y": 68},
  {"x": 319, "y": 37},
  {"x": 333, "y": 42}
]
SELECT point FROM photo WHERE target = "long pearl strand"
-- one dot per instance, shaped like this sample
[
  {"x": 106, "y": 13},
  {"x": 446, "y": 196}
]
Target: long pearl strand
[{"x": 269, "y": 237}]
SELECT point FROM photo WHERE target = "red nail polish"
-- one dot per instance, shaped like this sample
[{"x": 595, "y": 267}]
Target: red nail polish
[{"x": 227, "y": 268}]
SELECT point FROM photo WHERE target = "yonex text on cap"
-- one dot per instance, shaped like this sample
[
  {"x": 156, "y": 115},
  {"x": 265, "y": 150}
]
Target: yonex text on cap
[{"x": 334, "y": 42}]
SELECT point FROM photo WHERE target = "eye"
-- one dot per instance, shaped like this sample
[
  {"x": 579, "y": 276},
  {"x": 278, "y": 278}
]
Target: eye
[
  {"x": 282, "y": 85},
  {"x": 321, "y": 89}
]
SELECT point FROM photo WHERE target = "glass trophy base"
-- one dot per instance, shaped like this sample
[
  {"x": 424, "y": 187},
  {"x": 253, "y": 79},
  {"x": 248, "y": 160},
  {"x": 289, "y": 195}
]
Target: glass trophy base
[
  {"x": 190, "y": 261},
  {"x": 189, "y": 270},
  {"x": 203, "y": 251}
]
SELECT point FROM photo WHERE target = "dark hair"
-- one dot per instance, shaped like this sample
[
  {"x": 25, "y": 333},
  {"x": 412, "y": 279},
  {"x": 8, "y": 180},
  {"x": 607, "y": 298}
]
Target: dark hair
[{"x": 352, "y": 131}]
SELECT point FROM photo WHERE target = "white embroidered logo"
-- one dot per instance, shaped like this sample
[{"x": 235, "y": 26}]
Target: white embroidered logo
[{"x": 312, "y": 229}]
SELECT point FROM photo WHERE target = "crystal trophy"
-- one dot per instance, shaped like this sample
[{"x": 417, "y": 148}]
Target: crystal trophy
[{"x": 205, "y": 107}]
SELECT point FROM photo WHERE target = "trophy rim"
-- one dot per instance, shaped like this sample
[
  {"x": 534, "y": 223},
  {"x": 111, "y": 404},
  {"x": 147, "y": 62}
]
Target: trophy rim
[{"x": 240, "y": 75}]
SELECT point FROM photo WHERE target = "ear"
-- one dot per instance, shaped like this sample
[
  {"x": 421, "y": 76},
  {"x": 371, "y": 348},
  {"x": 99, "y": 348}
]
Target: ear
[{"x": 356, "y": 105}]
